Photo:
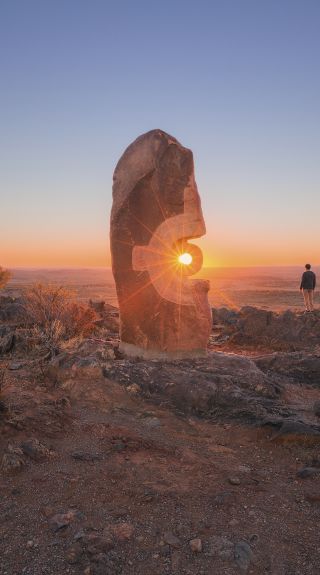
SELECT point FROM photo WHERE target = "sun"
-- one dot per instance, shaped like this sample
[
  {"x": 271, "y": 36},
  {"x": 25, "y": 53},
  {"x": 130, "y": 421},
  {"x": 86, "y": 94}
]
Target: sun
[{"x": 185, "y": 259}]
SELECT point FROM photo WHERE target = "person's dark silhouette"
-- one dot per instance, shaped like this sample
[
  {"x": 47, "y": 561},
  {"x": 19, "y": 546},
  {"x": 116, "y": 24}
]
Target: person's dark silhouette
[{"x": 307, "y": 286}]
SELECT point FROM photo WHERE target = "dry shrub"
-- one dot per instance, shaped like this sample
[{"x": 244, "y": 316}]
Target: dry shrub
[
  {"x": 5, "y": 275},
  {"x": 55, "y": 316},
  {"x": 3, "y": 369}
]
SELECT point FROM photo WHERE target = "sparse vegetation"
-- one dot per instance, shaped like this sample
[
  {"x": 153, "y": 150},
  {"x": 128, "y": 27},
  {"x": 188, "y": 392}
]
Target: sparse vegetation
[
  {"x": 2, "y": 379},
  {"x": 5, "y": 275},
  {"x": 55, "y": 317}
]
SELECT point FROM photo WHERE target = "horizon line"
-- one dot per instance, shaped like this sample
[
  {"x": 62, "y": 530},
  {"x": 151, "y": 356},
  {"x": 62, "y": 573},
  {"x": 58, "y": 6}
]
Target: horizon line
[{"x": 57, "y": 267}]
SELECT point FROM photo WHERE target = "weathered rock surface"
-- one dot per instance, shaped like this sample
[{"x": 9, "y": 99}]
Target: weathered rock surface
[
  {"x": 221, "y": 384},
  {"x": 286, "y": 331},
  {"x": 156, "y": 209},
  {"x": 300, "y": 366}
]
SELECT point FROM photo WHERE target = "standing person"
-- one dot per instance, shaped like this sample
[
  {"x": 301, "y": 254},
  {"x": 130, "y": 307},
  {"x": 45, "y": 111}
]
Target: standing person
[{"x": 307, "y": 286}]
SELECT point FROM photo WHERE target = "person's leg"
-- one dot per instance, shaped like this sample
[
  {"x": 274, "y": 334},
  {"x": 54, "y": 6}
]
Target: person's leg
[
  {"x": 306, "y": 299},
  {"x": 311, "y": 299}
]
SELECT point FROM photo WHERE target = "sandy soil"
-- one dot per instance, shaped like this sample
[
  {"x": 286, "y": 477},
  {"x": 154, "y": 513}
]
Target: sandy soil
[{"x": 126, "y": 485}]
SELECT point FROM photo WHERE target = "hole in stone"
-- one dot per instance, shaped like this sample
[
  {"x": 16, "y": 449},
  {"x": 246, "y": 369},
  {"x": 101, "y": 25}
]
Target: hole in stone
[{"x": 185, "y": 259}]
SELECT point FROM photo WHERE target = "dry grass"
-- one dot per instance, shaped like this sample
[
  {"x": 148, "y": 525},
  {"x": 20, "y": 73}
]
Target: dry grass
[
  {"x": 5, "y": 275},
  {"x": 55, "y": 317}
]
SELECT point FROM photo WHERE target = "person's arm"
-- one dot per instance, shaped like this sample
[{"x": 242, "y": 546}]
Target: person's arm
[
  {"x": 314, "y": 281},
  {"x": 301, "y": 281}
]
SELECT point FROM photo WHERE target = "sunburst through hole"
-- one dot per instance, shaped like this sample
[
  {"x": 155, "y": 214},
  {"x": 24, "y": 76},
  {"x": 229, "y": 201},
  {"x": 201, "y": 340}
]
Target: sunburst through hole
[{"x": 185, "y": 259}]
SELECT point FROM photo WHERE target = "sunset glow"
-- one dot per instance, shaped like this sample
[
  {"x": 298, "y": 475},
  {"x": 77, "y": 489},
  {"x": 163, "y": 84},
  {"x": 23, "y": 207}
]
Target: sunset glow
[
  {"x": 185, "y": 259},
  {"x": 68, "y": 113}
]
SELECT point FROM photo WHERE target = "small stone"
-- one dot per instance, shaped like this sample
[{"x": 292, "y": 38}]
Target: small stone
[
  {"x": 244, "y": 468},
  {"x": 47, "y": 511},
  {"x": 313, "y": 497},
  {"x": 316, "y": 408},
  {"x": 12, "y": 462},
  {"x": 84, "y": 456},
  {"x": 15, "y": 365},
  {"x": 119, "y": 446},
  {"x": 306, "y": 472},
  {"x": 196, "y": 545},
  {"x": 153, "y": 422},
  {"x": 30, "y": 544},
  {"x": 234, "y": 480},
  {"x": 73, "y": 554},
  {"x": 35, "y": 450},
  {"x": 172, "y": 540},
  {"x": 97, "y": 544},
  {"x": 233, "y": 522},
  {"x": 79, "y": 535},
  {"x": 62, "y": 520},
  {"x": 165, "y": 549},
  {"x": 243, "y": 556},
  {"x": 134, "y": 389},
  {"x": 220, "y": 547},
  {"x": 123, "y": 531}
]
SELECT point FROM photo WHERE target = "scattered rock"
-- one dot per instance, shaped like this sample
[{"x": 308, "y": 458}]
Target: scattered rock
[
  {"x": 195, "y": 545},
  {"x": 86, "y": 456},
  {"x": 234, "y": 480},
  {"x": 316, "y": 408},
  {"x": 12, "y": 460},
  {"x": 15, "y": 365},
  {"x": 224, "y": 498},
  {"x": 312, "y": 496},
  {"x": 74, "y": 553},
  {"x": 35, "y": 450},
  {"x": 123, "y": 531},
  {"x": 62, "y": 520},
  {"x": 96, "y": 544},
  {"x": 220, "y": 547},
  {"x": 306, "y": 472},
  {"x": 243, "y": 556},
  {"x": 170, "y": 539},
  {"x": 152, "y": 422},
  {"x": 244, "y": 468},
  {"x": 134, "y": 389}
]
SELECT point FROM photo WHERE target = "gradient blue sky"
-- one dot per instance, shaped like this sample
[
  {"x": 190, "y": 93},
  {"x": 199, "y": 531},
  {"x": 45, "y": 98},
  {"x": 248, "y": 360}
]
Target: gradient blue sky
[{"x": 237, "y": 81}]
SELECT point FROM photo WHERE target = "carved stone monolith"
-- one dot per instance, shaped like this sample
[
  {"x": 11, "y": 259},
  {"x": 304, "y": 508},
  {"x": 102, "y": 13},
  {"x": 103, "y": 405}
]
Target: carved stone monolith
[{"x": 156, "y": 210}]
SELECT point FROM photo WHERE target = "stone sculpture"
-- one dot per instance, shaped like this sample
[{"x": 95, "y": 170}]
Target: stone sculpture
[{"x": 156, "y": 210}]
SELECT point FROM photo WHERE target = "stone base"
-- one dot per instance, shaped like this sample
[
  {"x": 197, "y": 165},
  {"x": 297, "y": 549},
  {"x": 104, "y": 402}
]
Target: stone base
[{"x": 131, "y": 350}]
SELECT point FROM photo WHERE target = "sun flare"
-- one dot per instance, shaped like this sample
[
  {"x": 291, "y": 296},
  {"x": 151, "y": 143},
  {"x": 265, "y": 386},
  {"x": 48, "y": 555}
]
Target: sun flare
[{"x": 185, "y": 259}]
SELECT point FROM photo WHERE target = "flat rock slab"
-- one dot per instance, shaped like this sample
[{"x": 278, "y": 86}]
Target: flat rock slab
[{"x": 219, "y": 385}]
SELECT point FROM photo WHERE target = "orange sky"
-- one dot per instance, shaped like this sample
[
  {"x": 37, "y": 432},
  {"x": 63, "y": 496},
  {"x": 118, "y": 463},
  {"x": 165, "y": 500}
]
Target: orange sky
[
  {"x": 249, "y": 111},
  {"x": 94, "y": 252}
]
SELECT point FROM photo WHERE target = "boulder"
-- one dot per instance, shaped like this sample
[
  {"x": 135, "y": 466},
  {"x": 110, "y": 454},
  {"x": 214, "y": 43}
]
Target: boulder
[{"x": 156, "y": 210}]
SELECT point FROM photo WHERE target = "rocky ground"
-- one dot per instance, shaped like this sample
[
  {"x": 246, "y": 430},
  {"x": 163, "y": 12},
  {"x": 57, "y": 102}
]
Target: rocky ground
[{"x": 200, "y": 467}]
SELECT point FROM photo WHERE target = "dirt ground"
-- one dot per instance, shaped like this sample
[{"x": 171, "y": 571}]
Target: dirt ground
[{"x": 119, "y": 485}]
